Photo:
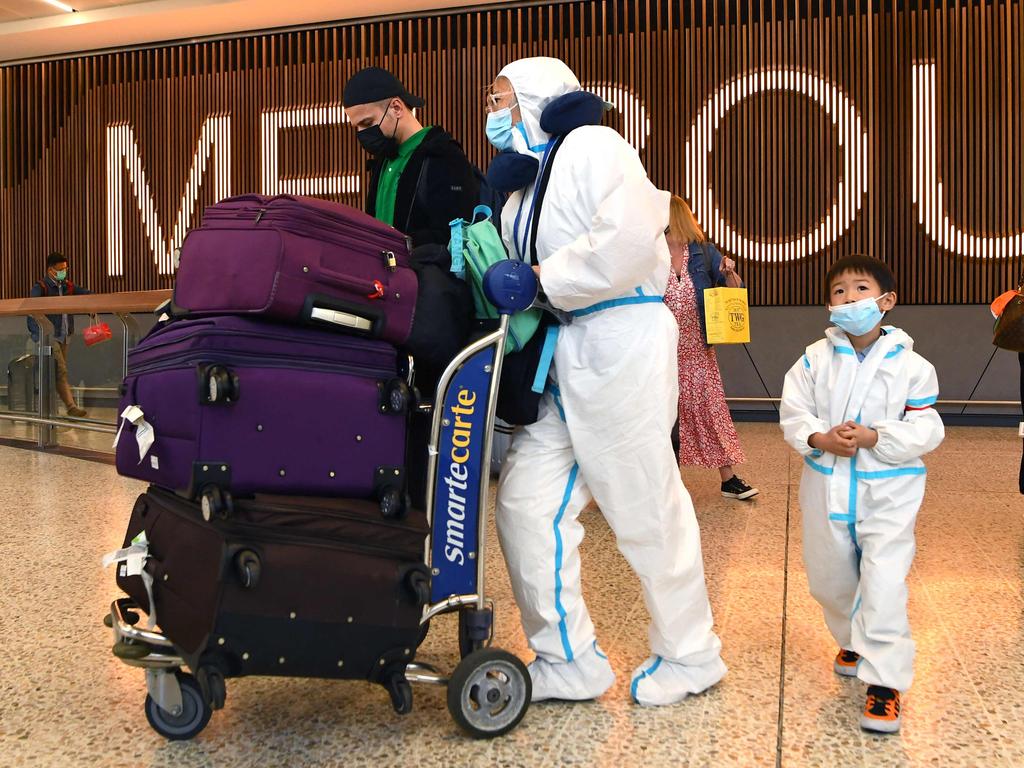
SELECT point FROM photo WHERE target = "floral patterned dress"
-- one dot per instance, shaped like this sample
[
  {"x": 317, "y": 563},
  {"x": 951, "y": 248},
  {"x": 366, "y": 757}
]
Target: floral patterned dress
[{"x": 707, "y": 437}]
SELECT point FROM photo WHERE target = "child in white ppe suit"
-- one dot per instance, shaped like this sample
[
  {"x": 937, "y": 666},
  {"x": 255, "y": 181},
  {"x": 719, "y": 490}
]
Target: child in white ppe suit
[
  {"x": 605, "y": 419},
  {"x": 858, "y": 405}
]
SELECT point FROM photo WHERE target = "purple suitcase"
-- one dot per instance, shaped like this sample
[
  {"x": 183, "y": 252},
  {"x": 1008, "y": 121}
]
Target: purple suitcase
[
  {"x": 300, "y": 260},
  {"x": 246, "y": 406}
]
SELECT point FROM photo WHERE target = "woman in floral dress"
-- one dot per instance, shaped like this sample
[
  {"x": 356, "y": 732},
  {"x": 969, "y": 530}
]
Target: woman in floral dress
[{"x": 707, "y": 437}]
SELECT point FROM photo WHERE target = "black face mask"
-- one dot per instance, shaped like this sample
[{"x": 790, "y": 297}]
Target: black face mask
[{"x": 376, "y": 143}]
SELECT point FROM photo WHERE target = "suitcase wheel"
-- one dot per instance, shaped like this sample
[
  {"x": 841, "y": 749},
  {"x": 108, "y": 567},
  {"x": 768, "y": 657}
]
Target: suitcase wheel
[
  {"x": 215, "y": 503},
  {"x": 195, "y": 712},
  {"x": 393, "y": 503},
  {"x": 247, "y": 566},
  {"x": 489, "y": 692},
  {"x": 396, "y": 397},
  {"x": 220, "y": 385},
  {"x": 401, "y": 693},
  {"x": 418, "y": 582},
  {"x": 211, "y": 683}
]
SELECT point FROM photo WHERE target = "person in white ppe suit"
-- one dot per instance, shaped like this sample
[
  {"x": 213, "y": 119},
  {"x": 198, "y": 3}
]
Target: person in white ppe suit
[
  {"x": 858, "y": 405},
  {"x": 605, "y": 419}
]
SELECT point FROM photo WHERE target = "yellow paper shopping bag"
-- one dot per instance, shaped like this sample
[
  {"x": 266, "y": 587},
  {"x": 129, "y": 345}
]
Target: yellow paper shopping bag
[{"x": 727, "y": 315}]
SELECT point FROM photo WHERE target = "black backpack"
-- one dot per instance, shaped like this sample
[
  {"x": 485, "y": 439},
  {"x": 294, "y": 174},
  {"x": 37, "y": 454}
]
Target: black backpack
[{"x": 490, "y": 197}]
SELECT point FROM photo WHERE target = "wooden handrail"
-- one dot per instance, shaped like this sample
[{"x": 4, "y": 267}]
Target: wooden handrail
[{"x": 86, "y": 304}]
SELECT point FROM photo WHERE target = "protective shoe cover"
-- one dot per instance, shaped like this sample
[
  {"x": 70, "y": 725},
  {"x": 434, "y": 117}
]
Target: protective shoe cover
[
  {"x": 658, "y": 682},
  {"x": 586, "y": 677}
]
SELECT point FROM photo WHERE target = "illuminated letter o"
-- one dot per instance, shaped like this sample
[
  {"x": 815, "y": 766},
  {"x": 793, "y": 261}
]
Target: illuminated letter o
[{"x": 853, "y": 138}]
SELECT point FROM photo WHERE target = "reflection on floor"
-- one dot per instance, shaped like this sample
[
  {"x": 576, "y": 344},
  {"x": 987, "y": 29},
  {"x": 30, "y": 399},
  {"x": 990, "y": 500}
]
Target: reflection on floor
[
  {"x": 68, "y": 437},
  {"x": 64, "y": 700}
]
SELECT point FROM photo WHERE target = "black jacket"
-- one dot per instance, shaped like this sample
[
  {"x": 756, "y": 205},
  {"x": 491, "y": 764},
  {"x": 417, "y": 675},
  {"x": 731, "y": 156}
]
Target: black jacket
[
  {"x": 436, "y": 186},
  {"x": 53, "y": 288}
]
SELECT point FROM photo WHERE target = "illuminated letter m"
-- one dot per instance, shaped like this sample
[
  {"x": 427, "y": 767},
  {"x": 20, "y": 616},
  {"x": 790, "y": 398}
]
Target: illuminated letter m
[{"x": 123, "y": 158}]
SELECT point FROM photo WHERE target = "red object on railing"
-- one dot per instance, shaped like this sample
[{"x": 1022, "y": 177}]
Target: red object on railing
[{"x": 97, "y": 333}]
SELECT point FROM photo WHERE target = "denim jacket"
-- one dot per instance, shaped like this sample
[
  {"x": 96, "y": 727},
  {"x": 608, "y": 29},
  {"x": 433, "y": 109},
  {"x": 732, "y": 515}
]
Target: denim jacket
[
  {"x": 705, "y": 268},
  {"x": 53, "y": 288}
]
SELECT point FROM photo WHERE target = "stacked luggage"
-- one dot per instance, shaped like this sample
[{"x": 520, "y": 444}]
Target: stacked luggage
[
  {"x": 268, "y": 412},
  {"x": 279, "y": 372}
]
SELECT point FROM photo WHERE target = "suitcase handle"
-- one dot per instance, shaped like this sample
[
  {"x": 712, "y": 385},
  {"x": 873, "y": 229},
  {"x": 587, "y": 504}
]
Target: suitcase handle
[
  {"x": 360, "y": 318},
  {"x": 362, "y": 287}
]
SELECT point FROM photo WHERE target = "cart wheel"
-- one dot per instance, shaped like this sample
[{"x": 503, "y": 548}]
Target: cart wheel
[
  {"x": 466, "y": 644},
  {"x": 195, "y": 713},
  {"x": 489, "y": 693}
]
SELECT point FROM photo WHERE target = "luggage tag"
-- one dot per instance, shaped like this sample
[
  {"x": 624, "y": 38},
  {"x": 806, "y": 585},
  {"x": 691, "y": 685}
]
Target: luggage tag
[
  {"x": 145, "y": 435},
  {"x": 134, "y": 558}
]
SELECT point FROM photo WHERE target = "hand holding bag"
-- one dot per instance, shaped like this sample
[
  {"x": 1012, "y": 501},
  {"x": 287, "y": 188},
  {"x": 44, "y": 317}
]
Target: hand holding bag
[
  {"x": 727, "y": 315},
  {"x": 96, "y": 333}
]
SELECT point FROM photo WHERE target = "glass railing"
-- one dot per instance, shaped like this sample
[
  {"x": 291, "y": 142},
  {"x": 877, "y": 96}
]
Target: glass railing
[{"x": 34, "y": 407}]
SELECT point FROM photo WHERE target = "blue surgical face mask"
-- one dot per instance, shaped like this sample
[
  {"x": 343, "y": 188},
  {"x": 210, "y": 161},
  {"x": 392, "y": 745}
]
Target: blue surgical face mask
[
  {"x": 499, "y": 128},
  {"x": 62, "y": 274},
  {"x": 859, "y": 317}
]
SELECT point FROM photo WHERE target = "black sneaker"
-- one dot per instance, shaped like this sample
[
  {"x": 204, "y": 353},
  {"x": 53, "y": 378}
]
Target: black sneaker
[{"x": 734, "y": 488}]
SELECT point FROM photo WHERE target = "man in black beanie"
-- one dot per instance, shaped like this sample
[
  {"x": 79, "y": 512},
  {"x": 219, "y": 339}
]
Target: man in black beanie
[{"x": 420, "y": 180}]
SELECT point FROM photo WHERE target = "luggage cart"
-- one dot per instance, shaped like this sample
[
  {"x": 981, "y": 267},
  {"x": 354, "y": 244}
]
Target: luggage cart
[{"x": 489, "y": 691}]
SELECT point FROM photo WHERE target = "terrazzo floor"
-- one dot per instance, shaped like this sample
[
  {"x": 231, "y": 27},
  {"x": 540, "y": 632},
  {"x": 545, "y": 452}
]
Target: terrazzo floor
[{"x": 66, "y": 701}]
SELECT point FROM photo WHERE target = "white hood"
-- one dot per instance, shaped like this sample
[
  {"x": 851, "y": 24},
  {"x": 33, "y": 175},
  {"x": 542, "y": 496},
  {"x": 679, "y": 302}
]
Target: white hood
[{"x": 537, "y": 82}]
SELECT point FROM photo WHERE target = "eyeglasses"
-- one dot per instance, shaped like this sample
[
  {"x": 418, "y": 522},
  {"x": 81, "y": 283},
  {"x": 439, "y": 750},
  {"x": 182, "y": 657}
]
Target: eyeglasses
[{"x": 491, "y": 100}]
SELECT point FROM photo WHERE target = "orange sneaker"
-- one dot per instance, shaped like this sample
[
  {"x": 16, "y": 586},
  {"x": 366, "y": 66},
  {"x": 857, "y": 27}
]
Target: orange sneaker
[
  {"x": 846, "y": 663},
  {"x": 882, "y": 710}
]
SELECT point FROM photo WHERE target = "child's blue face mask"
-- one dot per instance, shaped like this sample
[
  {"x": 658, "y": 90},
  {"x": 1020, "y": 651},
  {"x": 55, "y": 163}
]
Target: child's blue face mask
[{"x": 859, "y": 317}]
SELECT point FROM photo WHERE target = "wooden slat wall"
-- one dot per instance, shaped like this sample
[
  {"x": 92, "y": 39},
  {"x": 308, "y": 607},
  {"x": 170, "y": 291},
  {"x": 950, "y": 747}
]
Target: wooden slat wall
[{"x": 775, "y": 166}]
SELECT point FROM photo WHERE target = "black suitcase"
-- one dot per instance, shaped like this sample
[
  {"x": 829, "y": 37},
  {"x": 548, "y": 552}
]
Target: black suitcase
[
  {"x": 285, "y": 586},
  {"x": 21, "y": 384}
]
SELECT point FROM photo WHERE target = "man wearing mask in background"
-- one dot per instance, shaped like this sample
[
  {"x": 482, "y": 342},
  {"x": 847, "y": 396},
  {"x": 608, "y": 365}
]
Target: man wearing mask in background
[
  {"x": 56, "y": 283},
  {"x": 603, "y": 431},
  {"x": 420, "y": 180}
]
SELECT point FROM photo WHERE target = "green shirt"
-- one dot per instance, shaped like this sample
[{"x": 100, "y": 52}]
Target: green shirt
[{"x": 391, "y": 172}]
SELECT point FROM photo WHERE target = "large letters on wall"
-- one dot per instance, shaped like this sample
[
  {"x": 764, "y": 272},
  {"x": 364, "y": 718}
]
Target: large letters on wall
[
  {"x": 927, "y": 189},
  {"x": 797, "y": 132}
]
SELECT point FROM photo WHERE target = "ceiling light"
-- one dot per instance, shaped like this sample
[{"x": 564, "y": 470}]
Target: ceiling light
[{"x": 63, "y": 6}]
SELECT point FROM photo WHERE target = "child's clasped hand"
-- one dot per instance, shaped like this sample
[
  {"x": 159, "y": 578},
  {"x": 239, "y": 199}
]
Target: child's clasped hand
[{"x": 844, "y": 439}]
